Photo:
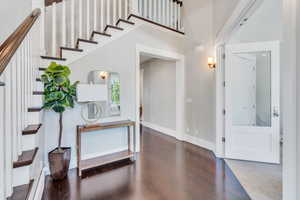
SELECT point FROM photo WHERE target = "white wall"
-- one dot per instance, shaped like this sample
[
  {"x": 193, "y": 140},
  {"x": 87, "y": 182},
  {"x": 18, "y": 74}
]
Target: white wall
[
  {"x": 200, "y": 84},
  {"x": 159, "y": 93},
  {"x": 264, "y": 25},
  {"x": 222, "y": 10},
  {"x": 12, "y": 14}
]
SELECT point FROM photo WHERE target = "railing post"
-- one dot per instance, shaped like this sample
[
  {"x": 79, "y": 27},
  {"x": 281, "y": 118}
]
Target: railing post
[{"x": 133, "y": 7}]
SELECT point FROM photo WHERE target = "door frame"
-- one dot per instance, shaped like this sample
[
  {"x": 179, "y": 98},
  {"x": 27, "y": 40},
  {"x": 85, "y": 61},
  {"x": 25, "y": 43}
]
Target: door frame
[{"x": 180, "y": 86}]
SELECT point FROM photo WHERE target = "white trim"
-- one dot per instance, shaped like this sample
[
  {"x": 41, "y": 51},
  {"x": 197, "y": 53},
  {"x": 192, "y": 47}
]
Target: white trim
[
  {"x": 180, "y": 86},
  {"x": 199, "y": 142},
  {"x": 40, "y": 186},
  {"x": 185, "y": 137},
  {"x": 167, "y": 131}
]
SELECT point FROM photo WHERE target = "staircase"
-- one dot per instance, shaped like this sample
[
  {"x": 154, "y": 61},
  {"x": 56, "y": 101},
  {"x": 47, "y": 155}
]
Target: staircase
[
  {"x": 63, "y": 31},
  {"x": 20, "y": 105}
]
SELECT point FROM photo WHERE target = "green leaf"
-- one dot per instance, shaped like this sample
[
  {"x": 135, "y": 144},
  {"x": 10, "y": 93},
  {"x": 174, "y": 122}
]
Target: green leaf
[{"x": 58, "y": 108}]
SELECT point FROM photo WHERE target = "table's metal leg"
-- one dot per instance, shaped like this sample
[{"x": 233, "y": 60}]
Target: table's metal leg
[
  {"x": 134, "y": 142},
  {"x": 128, "y": 135}
]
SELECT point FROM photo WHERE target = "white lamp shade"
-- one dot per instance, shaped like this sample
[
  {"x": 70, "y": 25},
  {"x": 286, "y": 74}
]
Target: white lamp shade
[{"x": 92, "y": 92}]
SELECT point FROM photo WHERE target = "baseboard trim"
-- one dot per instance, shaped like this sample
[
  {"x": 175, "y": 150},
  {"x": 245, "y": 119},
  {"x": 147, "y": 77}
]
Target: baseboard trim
[
  {"x": 199, "y": 142},
  {"x": 187, "y": 138},
  {"x": 40, "y": 186},
  {"x": 160, "y": 129}
]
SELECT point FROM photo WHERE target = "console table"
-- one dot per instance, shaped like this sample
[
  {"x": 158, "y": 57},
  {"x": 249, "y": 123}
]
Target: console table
[{"x": 110, "y": 158}]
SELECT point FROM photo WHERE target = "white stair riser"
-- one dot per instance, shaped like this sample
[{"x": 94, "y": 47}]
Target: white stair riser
[
  {"x": 37, "y": 100},
  {"x": 70, "y": 54},
  {"x": 87, "y": 46},
  {"x": 100, "y": 38},
  {"x": 21, "y": 175},
  {"x": 34, "y": 118},
  {"x": 114, "y": 32},
  {"x": 46, "y": 62},
  {"x": 125, "y": 26},
  {"x": 40, "y": 86},
  {"x": 29, "y": 142}
]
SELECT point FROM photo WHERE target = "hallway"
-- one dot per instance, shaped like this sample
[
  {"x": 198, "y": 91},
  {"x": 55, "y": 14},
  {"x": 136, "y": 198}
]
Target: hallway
[{"x": 166, "y": 169}]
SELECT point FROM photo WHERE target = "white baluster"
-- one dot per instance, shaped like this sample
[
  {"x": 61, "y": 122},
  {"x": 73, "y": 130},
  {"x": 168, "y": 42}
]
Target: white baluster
[
  {"x": 2, "y": 143},
  {"x": 95, "y": 15},
  {"x": 163, "y": 12},
  {"x": 7, "y": 134},
  {"x": 80, "y": 19},
  {"x": 179, "y": 16},
  {"x": 13, "y": 82},
  {"x": 26, "y": 82},
  {"x": 72, "y": 23},
  {"x": 88, "y": 19},
  {"x": 102, "y": 14},
  {"x": 155, "y": 10},
  {"x": 107, "y": 12},
  {"x": 159, "y": 5},
  {"x": 114, "y": 12},
  {"x": 150, "y": 10},
  {"x": 54, "y": 29},
  {"x": 120, "y": 9},
  {"x": 64, "y": 27},
  {"x": 172, "y": 13},
  {"x": 167, "y": 12},
  {"x": 19, "y": 96},
  {"x": 126, "y": 9},
  {"x": 176, "y": 15},
  {"x": 145, "y": 14},
  {"x": 141, "y": 7}
]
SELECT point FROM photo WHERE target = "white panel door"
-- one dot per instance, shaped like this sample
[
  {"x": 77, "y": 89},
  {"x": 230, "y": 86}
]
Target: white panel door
[{"x": 252, "y": 93}]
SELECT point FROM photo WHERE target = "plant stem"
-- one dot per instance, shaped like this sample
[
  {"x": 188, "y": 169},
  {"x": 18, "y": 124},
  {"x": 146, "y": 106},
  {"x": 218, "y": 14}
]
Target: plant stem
[{"x": 60, "y": 130}]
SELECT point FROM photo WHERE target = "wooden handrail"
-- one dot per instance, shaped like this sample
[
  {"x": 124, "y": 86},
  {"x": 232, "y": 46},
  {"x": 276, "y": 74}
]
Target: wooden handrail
[{"x": 12, "y": 43}]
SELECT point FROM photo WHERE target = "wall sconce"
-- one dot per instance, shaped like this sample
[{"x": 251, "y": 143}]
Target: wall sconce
[
  {"x": 211, "y": 62},
  {"x": 103, "y": 75}
]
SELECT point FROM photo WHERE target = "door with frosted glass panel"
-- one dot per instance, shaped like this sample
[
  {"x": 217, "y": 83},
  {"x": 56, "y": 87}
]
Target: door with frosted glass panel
[{"x": 252, "y": 120}]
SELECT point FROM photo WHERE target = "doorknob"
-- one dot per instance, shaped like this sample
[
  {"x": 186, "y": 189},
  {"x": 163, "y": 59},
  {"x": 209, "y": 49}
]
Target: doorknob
[{"x": 275, "y": 112}]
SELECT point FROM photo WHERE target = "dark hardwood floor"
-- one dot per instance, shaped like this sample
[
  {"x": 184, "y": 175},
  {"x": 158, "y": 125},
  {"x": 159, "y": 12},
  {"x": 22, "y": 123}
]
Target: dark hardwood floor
[{"x": 166, "y": 169}]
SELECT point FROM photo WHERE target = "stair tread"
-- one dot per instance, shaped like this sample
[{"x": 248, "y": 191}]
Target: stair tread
[
  {"x": 21, "y": 192},
  {"x": 100, "y": 33},
  {"x": 71, "y": 49},
  {"x": 114, "y": 27},
  {"x": 88, "y": 41},
  {"x": 26, "y": 158},
  {"x": 53, "y": 58},
  {"x": 31, "y": 129},
  {"x": 34, "y": 109},
  {"x": 125, "y": 21},
  {"x": 42, "y": 68},
  {"x": 38, "y": 93}
]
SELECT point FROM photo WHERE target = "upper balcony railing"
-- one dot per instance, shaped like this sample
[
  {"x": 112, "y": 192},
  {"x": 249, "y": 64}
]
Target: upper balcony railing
[{"x": 69, "y": 20}]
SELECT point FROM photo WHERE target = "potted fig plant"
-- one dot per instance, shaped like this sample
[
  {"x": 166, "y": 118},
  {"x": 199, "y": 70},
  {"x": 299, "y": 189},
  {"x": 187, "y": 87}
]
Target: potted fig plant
[{"x": 59, "y": 94}]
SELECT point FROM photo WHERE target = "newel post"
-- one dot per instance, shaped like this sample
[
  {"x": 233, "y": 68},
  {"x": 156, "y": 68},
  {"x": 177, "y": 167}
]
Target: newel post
[{"x": 134, "y": 7}]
